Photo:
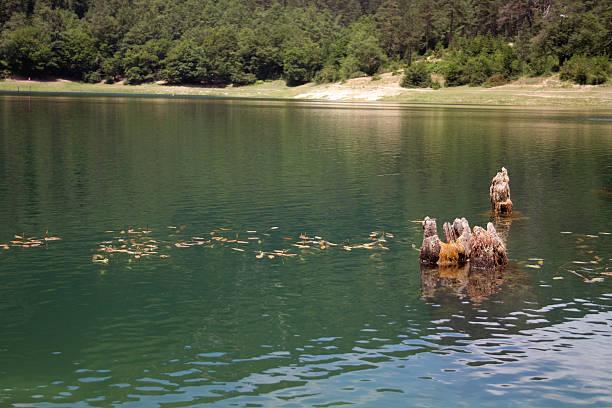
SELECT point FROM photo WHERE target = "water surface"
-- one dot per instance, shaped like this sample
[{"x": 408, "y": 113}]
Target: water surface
[{"x": 212, "y": 325}]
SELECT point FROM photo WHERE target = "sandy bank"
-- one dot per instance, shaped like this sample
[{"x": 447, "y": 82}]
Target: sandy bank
[{"x": 385, "y": 87}]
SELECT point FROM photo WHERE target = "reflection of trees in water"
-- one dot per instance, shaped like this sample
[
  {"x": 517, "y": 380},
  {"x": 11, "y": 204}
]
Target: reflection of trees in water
[{"x": 475, "y": 283}]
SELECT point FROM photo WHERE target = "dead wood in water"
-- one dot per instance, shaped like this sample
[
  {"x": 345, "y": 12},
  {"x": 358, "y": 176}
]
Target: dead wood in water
[
  {"x": 482, "y": 248},
  {"x": 499, "y": 192}
]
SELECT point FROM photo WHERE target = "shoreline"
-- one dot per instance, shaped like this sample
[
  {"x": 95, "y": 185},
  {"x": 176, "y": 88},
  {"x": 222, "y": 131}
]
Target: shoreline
[{"x": 526, "y": 92}]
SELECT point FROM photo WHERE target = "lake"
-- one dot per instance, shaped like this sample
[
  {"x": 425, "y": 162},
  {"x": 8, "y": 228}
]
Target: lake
[{"x": 186, "y": 273}]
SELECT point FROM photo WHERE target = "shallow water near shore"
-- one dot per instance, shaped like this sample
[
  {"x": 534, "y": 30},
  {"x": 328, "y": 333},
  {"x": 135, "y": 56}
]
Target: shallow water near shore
[{"x": 218, "y": 324}]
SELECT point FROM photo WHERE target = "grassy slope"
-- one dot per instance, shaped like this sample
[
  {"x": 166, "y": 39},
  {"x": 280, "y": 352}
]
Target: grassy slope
[{"x": 527, "y": 92}]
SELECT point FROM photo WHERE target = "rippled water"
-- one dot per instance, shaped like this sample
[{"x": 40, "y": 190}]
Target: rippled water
[{"x": 213, "y": 325}]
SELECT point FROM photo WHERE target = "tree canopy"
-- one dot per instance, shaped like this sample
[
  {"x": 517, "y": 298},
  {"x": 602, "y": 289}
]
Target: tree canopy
[{"x": 215, "y": 42}]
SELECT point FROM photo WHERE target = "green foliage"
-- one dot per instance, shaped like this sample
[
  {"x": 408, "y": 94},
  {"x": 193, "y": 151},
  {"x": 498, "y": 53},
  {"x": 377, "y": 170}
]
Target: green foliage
[
  {"x": 28, "y": 51},
  {"x": 364, "y": 52},
  {"x": 185, "y": 63},
  {"x": 328, "y": 74},
  {"x": 417, "y": 75},
  {"x": 454, "y": 73},
  {"x": 142, "y": 62},
  {"x": 92, "y": 77},
  {"x": 543, "y": 65},
  {"x": 300, "y": 64},
  {"x": 587, "y": 70},
  {"x": 474, "y": 62},
  {"x": 242, "y": 41}
]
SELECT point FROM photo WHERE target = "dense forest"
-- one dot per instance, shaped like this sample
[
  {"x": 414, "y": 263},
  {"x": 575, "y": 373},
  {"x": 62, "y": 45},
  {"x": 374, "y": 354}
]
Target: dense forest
[{"x": 219, "y": 42}]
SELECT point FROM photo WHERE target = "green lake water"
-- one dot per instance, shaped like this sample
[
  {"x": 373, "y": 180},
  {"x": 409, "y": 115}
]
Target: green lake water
[{"x": 220, "y": 323}]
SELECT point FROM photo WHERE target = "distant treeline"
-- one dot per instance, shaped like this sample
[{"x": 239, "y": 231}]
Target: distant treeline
[{"x": 217, "y": 42}]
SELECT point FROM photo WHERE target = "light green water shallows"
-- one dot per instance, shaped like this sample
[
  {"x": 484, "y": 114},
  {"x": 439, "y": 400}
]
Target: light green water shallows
[{"x": 213, "y": 325}]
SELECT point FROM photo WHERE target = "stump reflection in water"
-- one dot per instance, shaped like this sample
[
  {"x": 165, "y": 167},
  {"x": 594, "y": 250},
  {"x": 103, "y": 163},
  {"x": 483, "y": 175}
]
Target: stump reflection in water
[{"x": 475, "y": 283}]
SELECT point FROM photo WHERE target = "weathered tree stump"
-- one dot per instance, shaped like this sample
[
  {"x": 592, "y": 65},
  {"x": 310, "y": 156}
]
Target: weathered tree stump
[
  {"x": 430, "y": 250},
  {"x": 499, "y": 192},
  {"x": 482, "y": 248},
  {"x": 487, "y": 249}
]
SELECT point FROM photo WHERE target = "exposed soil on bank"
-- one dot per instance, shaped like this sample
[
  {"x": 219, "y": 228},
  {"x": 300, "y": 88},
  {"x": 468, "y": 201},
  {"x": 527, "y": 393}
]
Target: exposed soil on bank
[{"x": 545, "y": 91}]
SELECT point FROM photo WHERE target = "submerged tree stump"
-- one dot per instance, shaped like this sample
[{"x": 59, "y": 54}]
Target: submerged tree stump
[
  {"x": 481, "y": 248},
  {"x": 499, "y": 192}
]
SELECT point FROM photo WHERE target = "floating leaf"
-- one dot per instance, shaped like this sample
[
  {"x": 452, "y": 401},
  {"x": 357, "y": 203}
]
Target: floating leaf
[
  {"x": 97, "y": 258},
  {"x": 566, "y": 232},
  {"x": 558, "y": 277},
  {"x": 238, "y": 249},
  {"x": 533, "y": 266}
]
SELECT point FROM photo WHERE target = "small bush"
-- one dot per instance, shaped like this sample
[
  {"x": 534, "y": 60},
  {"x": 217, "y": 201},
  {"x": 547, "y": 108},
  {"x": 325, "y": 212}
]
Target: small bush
[
  {"x": 436, "y": 85},
  {"x": 417, "y": 75},
  {"x": 586, "y": 70},
  {"x": 92, "y": 77},
  {"x": 327, "y": 74},
  {"x": 544, "y": 65},
  {"x": 133, "y": 76},
  {"x": 455, "y": 74},
  {"x": 495, "y": 80},
  {"x": 243, "y": 78}
]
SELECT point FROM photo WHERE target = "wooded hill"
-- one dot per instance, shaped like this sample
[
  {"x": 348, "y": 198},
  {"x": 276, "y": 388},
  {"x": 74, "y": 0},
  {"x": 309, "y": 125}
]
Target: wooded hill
[{"x": 241, "y": 41}]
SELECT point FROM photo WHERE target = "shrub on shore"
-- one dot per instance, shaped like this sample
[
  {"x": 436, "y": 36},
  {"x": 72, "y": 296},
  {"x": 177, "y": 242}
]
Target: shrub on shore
[{"x": 587, "y": 70}]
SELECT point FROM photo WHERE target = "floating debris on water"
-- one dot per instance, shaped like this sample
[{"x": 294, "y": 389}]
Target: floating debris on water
[
  {"x": 533, "y": 266},
  {"x": 141, "y": 243},
  {"x": 587, "y": 260},
  {"x": 23, "y": 241}
]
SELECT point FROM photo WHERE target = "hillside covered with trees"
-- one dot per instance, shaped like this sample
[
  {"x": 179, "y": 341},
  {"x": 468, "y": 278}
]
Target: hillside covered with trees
[{"x": 219, "y": 42}]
